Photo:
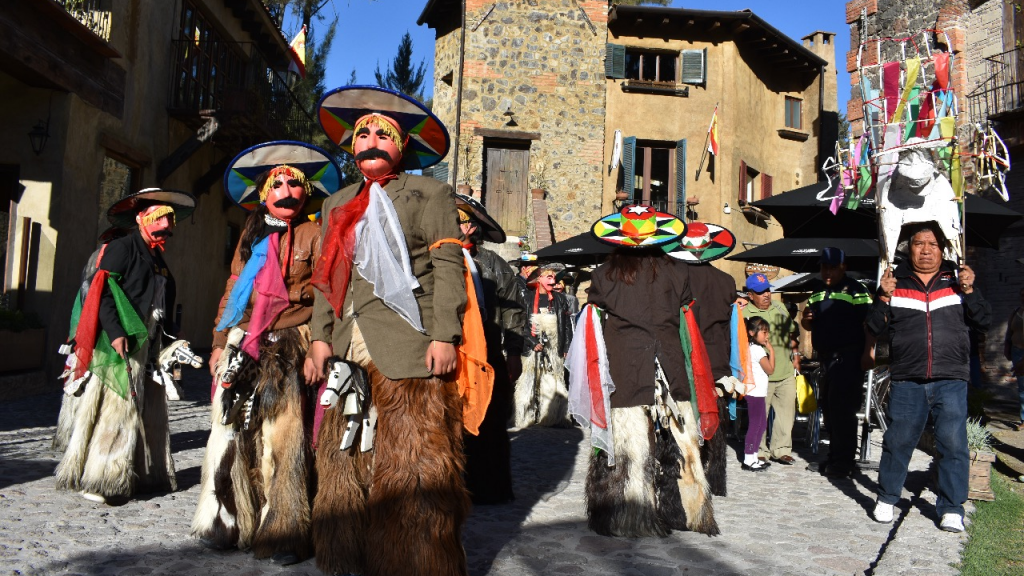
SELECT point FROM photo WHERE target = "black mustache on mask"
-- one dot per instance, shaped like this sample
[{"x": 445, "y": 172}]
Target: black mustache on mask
[
  {"x": 372, "y": 153},
  {"x": 162, "y": 234},
  {"x": 289, "y": 202}
]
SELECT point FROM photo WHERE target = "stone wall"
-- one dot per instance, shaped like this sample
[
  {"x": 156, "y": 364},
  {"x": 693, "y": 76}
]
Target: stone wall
[{"x": 543, "y": 60}]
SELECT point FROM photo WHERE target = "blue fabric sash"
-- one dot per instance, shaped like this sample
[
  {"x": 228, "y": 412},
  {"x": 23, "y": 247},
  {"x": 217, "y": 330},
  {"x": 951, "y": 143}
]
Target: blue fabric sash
[{"x": 241, "y": 292}]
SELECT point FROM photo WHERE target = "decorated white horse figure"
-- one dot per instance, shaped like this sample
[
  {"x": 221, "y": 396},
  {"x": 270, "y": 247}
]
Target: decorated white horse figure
[
  {"x": 168, "y": 370},
  {"x": 914, "y": 190}
]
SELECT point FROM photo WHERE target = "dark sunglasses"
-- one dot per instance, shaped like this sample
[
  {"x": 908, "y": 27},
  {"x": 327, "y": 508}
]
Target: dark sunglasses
[{"x": 294, "y": 183}]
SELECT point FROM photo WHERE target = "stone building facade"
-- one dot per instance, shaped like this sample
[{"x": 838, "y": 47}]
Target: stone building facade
[
  {"x": 123, "y": 103},
  {"x": 987, "y": 49},
  {"x": 535, "y": 77},
  {"x": 531, "y": 113}
]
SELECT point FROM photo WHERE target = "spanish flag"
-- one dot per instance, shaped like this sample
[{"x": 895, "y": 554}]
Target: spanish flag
[
  {"x": 298, "y": 46},
  {"x": 713, "y": 133}
]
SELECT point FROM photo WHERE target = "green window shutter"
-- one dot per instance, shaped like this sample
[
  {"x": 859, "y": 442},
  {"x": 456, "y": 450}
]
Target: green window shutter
[
  {"x": 629, "y": 165},
  {"x": 693, "y": 68},
  {"x": 614, "y": 61},
  {"x": 438, "y": 171},
  {"x": 681, "y": 179}
]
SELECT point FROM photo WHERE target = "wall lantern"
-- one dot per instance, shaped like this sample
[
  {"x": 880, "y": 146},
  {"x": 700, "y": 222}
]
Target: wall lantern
[
  {"x": 511, "y": 117},
  {"x": 39, "y": 135},
  {"x": 726, "y": 209}
]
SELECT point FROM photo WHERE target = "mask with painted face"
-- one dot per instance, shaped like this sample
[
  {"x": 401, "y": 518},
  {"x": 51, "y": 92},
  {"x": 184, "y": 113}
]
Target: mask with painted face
[
  {"x": 377, "y": 146},
  {"x": 155, "y": 225}
]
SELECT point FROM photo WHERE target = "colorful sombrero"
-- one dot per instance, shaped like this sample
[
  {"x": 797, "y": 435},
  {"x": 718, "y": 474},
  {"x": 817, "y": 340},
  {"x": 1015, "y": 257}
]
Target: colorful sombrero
[
  {"x": 490, "y": 229},
  {"x": 320, "y": 169},
  {"x": 638, "y": 227},
  {"x": 702, "y": 243},
  {"x": 342, "y": 107},
  {"x": 122, "y": 213}
]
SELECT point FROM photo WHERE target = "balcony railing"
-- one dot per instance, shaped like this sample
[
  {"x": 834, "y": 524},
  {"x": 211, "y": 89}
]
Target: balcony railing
[
  {"x": 234, "y": 80},
  {"x": 94, "y": 14},
  {"x": 1002, "y": 91}
]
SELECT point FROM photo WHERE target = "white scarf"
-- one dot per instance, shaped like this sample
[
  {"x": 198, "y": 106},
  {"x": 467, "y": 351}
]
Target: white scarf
[{"x": 382, "y": 257}]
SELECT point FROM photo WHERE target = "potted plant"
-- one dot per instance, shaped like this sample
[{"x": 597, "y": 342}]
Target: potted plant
[
  {"x": 23, "y": 340},
  {"x": 979, "y": 442}
]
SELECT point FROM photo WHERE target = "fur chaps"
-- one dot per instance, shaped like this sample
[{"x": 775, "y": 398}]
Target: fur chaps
[
  {"x": 658, "y": 482},
  {"x": 256, "y": 481},
  {"x": 400, "y": 508},
  {"x": 543, "y": 400},
  {"x": 116, "y": 446}
]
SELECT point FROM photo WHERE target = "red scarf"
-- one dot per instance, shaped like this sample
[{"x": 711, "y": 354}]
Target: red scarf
[
  {"x": 704, "y": 382},
  {"x": 333, "y": 271}
]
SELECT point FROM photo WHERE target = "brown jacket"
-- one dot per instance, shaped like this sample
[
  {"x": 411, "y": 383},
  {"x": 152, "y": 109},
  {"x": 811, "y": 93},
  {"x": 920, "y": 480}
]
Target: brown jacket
[
  {"x": 305, "y": 251},
  {"x": 426, "y": 209},
  {"x": 641, "y": 322}
]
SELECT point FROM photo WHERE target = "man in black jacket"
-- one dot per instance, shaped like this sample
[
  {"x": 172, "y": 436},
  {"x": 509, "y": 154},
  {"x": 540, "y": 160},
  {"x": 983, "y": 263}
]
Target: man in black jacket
[
  {"x": 113, "y": 422},
  {"x": 928, "y": 311},
  {"x": 488, "y": 455}
]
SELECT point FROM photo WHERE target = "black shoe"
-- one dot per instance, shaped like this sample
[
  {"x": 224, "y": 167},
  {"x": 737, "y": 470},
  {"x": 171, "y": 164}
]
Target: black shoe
[
  {"x": 838, "y": 471},
  {"x": 816, "y": 467},
  {"x": 750, "y": 468},
  {"x": 786, "y": 460},
  {"x": 285, "y": 558}
]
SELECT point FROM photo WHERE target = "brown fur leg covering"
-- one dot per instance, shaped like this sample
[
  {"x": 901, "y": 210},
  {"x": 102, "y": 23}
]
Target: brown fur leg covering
[
  {"x": 339, "y": 508},
  {"x": 418, "y": 501},
  {"x": 284, "y": 458},
  {"x": 621, "y": 501}
]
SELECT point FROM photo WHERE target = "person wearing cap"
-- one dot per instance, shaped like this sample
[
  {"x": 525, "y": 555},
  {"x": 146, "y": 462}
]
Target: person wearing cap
[
  {"x": 928, "y": 305},
  {"x": 834, "y": 315},
  {"x": 391, "y": 294},
  {"x": 540, "y": 391},
  {"x": 259, "y": 362},
  {"x": 646, "y": 477},
  {"x": 113, "y": 422},
  {"x": 781, "y": 396},
  {"x": 488, "y": 455}
]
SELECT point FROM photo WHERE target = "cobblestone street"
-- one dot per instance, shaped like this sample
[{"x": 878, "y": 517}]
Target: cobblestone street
[{"x": 783, "y": 521}]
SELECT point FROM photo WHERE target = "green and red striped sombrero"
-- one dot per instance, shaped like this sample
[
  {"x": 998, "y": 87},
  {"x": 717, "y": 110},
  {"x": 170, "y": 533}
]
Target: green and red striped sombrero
[{"x": 342, "y": 107}]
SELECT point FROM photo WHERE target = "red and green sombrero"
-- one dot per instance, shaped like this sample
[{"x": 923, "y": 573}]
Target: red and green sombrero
[
  {"x": 342, "y": 107},
  {"x": 638, "y": 227},
  {"x": 320, "y": 168},
  {"x": 702, "y": 243}
]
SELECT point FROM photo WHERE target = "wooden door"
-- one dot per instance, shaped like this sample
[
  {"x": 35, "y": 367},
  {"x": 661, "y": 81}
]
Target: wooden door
[{"x": 507, "y": 192}]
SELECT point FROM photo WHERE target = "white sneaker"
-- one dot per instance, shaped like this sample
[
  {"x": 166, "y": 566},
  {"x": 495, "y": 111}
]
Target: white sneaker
[
  {"x": 93, "y": 497},
  {"x": 883, "y": 512},
  {"x": 952, "y": 522}
]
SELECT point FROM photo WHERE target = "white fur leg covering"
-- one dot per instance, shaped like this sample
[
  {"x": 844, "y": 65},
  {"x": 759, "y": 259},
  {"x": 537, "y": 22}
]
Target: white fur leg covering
[
  {"x": 212, "y": 517},
  {"x": 693, "y": 486}
]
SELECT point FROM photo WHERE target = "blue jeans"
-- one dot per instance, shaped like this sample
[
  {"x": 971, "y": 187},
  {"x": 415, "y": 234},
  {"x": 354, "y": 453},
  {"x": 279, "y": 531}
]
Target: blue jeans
[
  {"x": 909, "y": 406},
  {"x": 1016, "y": 355}
]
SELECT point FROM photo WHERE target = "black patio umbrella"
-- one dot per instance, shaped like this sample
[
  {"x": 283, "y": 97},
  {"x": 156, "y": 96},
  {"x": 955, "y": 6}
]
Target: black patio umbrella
[
  {"x": 802, "y": 215},
  {"x": 580, "y": 250},
  {"x": 803, "y": 254}
]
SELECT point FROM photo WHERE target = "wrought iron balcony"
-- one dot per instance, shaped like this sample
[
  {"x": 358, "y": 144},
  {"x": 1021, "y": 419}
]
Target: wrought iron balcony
[
  {"x": 94, "y": 14},
  {"x": 234, "y": 82},
  {"x": 1001, "y": 94}
]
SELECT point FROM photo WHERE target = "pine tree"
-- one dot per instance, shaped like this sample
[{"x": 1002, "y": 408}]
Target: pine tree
[{"x": 401, "y": 76}]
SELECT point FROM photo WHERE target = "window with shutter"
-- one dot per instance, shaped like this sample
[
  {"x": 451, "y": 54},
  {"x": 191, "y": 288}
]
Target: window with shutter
[
  {"x": 742, "y": 197},
  {"x": 766, "y": 186},
  {"x": 681, "y": 178},
  {"x": 629, "y": 166},
  {"x": 693, "y": 66},
  {"x": 614, "y": 61},
  {"x": 438, "y": 171}
]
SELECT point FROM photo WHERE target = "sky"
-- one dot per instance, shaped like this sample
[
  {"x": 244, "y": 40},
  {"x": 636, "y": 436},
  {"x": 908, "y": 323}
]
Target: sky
[{"x": 369, "y": 32}]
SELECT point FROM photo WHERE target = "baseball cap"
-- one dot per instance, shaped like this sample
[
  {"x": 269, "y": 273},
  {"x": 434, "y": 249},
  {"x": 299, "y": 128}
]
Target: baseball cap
[
  {"x": 832, "y": 256},
  {"x": 757, "y": 283}
]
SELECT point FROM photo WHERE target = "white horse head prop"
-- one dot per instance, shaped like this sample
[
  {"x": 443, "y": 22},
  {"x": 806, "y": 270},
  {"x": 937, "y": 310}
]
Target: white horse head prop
[{"x": 917, "y": 192}]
